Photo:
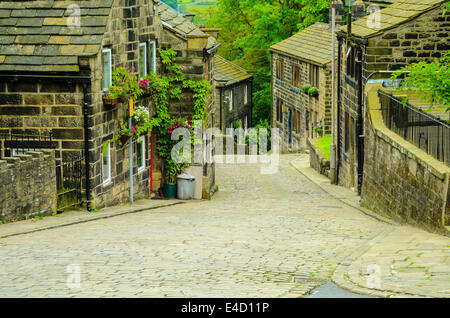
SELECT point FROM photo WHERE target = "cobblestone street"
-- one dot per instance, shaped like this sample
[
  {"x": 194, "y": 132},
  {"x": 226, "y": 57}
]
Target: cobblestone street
[{"x": 277, "y": 235}]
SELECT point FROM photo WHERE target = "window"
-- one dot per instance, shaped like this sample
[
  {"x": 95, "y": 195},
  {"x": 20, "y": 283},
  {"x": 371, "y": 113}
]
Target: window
[
  {"x": 280, "y": 66},
  {"x": 245, "y": 94},
  {"x": 141, "y": 153},
  {"x": 347, "y": 133},
  {"x": 280, "y": 109},
  {"x": 106, "y": 164},
  {"x": 143, "y": 59},
  {"x": 107, "y": 73},
  {"x": 314, "y": 75},
  {"x": 245, "y": 123},
  {"x": 152, "y": 56},
  {"x": 296, "y": 76},
  {"x": 353, "y": 56},
  {"x": 230, "y": 101},
  {"x": 297, "y": 121}
]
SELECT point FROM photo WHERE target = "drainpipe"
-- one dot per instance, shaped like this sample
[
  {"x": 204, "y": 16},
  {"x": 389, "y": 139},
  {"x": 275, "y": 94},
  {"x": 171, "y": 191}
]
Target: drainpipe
[
  {"x": 338, "y": 116},
  {"x": 86, "y": 147},
  {"x": 333, "y": 135},
  {"x": 359, "y": 124}
]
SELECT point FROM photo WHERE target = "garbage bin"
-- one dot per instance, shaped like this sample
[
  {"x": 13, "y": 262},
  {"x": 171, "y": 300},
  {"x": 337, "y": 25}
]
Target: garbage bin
[{"x": 185, "y": 186}]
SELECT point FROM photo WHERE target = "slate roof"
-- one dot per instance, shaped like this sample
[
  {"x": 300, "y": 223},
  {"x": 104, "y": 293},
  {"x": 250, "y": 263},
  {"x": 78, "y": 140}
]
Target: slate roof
[
  {"x": 312, "y": 44},
  {"x": 227, "y": 72},
  {"x": 181, "y": 25},
  {"x": 392, "y": 16},
  {"x": 35, "y": 35}
]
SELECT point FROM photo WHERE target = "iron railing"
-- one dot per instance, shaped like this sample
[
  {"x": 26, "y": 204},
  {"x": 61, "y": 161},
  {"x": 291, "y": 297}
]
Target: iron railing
[
  {"x": 18, "y": 143},
  {"x": 69, "y": 175},
  {"x": 425, "y": 131}
]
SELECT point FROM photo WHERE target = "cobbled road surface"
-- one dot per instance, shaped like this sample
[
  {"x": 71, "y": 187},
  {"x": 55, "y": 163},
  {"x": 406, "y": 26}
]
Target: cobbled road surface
[{"x": 273, "y": 235}]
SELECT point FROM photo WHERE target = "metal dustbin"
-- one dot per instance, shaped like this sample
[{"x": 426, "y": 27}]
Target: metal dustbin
[{"x": 185, "y": 186}]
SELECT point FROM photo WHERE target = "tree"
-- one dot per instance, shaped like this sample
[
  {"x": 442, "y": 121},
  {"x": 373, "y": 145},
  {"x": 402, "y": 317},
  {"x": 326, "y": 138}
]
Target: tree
[
  {"x": 430, "y": 80},
  {"x": 250, "y": 27}
]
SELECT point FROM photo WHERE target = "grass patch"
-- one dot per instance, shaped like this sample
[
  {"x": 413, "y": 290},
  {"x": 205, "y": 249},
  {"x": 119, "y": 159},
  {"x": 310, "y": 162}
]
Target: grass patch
[{"x": 324, "y": 144}]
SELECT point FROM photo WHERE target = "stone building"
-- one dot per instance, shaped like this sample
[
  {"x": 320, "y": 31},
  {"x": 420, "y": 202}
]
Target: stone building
[
  {"x": 403, "y": 33},
  {"x": 303, "y": 59},
  {"x": 56, "y": 59},
  {"x": 233, "y": 95}
]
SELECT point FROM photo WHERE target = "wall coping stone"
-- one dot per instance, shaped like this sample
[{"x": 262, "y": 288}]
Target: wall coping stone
[{"x": 436, "y": 167}]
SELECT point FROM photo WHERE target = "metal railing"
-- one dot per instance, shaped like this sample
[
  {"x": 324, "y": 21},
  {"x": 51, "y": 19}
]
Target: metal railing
[
  {"x": 18, "y": 143},
  {"x": 425, "y": 131}
]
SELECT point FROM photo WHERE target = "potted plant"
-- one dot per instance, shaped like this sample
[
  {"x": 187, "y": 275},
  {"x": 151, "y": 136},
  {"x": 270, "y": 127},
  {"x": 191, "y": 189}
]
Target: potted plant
[
  {"x": 313, "y": 91},
  {"x": 305, "y": 88},
  {"x": 112, "y": 95},
  {"x": 144, "y": 84}
]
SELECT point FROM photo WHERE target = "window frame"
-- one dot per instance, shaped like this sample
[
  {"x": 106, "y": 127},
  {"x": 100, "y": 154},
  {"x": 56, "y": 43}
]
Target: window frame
[
  {"x": 296, "y": 76},
  {"x": 230, "y": 100},
  {"x": 108, "y": 179},
  {"x": 280, "y": 69},
  {"x": 141, "y": 146},
  {"x": 245, "y": 94},
  {"x": 145, "y": 64},
  {"x": 314, "y": 75},
  {"x": 107, "y": 50},
  {"x": 152, "y": 58}
]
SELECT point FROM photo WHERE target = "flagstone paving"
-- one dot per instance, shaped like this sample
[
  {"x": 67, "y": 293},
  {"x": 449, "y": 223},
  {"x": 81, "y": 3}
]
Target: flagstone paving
[{"x": 275, "y": 235}]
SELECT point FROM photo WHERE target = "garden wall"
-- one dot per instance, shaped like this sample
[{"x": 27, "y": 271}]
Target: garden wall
[
  {"x": 27, "y": 185},
  {"x": 316, "y": 160},
  {"x": 400, "y": 179}
]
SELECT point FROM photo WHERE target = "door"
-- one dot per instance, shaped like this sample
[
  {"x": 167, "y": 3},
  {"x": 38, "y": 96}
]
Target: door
[{"x": 290, "y": 126}]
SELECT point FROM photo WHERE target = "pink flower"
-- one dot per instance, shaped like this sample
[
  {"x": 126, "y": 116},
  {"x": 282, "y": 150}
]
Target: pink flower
[{"x": 134, "y": 129}]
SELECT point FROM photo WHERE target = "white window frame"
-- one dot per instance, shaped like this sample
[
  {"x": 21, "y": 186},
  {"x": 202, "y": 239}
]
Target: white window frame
[
  {"x": 108, "y": 179},
  {"x": 141, "y": 165},
  {"x": 108, "y": 51},
  {"x": 143, "y": 44},
  {"x": 245, "y": 94},
  {"x": 153, "y": 59},
  {"x": 245, "y": 123},
  {"x": 230, "y": 102}
]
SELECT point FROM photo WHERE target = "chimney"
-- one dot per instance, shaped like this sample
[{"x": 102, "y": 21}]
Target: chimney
[
  {"x": 214, "y": 32},
  {"x": 358, "y": 10},
  {"x": 339, "y": 8}
]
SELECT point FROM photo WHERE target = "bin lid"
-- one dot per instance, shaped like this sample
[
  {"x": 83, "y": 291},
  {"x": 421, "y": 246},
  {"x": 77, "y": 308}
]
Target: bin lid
[{"x": 186, "y": 176}]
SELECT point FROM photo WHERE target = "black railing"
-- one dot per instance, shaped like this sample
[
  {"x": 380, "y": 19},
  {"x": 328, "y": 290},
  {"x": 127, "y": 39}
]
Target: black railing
[
  {"x": 18, "y": 143},
  {"x": 426, "y": 131},
  {"x": 69, "y": 174}
]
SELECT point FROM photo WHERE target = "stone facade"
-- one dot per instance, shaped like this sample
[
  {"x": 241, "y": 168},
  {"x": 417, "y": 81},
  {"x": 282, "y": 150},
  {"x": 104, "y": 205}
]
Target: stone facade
[
  {"x": 240, "y": 112},
  {"x": 44, "y": 104},
  {"x": 27, "y": 186},
  {"x": 312, "y": 111},
  {"x": 420, "y": 39},
  {"x": 401, "y": 180}
]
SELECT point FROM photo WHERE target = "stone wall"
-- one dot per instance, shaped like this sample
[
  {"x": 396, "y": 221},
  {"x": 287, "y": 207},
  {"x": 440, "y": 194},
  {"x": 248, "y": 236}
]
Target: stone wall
[
  {"x": 29, "y": 106},
  {"x": 27, "y": 185},
  {"x": 317, "y": 160},
  {"x": 294, "y": 98},
  {"x": 401, "y": 180},
  {"x": 420, "y": 39},
  {"x": 239, "y": 110}
]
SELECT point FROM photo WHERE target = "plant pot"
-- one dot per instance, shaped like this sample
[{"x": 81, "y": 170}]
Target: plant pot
[
  {"x": 124, "y": 139},
  {"x": 110, "y": 101},
  {"x": 170, "y": 190},
  {"x": 147, "y": 90}
]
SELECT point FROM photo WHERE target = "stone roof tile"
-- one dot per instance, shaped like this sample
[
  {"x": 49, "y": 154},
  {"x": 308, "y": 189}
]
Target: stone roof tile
[{"x": 230, "y": 73}]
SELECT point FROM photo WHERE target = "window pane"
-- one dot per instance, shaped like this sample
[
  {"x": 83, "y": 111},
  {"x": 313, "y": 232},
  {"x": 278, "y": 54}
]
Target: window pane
[
  {"x": 106, "y": 69},
  {"x": 152, "y": 57},
  {"x": 141, "y": 153},
  {"x": 143, "y": 59},
  {"x": 106, "y": 169}
]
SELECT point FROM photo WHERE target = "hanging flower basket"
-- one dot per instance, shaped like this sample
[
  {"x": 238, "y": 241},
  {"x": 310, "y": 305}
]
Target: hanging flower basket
[
  {"x": 313, "y": 91},
  {"x": 144, "y": 85},
  {"x": 108, "y": 101}
]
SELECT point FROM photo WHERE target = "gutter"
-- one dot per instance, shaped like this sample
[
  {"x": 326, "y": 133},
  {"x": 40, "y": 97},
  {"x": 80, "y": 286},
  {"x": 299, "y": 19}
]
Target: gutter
[{"x": 211, "y": 50}]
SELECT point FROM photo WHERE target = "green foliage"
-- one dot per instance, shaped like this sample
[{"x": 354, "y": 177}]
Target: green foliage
[
  {"x": 127, "y": 79},
  {"x": 250, "y": 27},
  {"x": 430, "y": 80},
  {"x": 168, "y": 86},
  {"x": 264, "y": 124},
  {"x": 306, "y": 88},
  {"x": 324, "y": 144},
  {"x": 313, "y": 91}
]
